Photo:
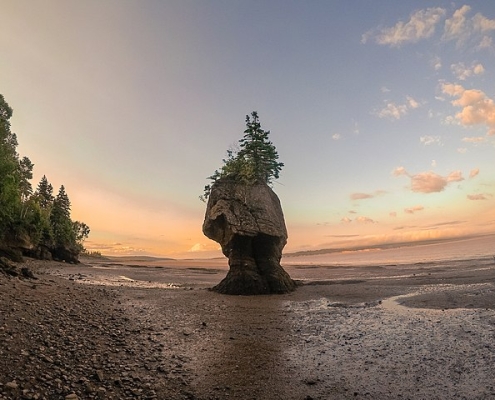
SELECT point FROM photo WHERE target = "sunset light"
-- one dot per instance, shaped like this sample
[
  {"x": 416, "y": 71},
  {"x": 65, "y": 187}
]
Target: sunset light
[{"x": 384, "y": 117}]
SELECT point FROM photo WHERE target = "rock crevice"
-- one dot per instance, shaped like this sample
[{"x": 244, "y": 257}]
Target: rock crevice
[{"x": 248, "y": 222}]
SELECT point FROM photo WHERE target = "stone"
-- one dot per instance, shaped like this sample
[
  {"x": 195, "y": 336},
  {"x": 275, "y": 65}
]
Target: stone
[
  {"x": 11, "y": 385},
  {"x": 248, "y": 223}
]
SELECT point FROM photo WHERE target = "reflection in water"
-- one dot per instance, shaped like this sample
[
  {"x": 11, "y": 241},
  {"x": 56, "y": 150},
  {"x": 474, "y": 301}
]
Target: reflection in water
[{"x": 236, "y": 362}]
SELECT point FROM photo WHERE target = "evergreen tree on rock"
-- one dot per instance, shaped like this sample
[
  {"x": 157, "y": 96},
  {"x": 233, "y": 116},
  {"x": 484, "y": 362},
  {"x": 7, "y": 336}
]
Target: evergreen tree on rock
[{"x": 245, "y": 217}]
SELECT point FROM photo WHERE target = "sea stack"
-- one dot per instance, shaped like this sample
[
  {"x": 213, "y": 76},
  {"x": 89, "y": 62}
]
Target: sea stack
[{"x": 248, "y": 222}]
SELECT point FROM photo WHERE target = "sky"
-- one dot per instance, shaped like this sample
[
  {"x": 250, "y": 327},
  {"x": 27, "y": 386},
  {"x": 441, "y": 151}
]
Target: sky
[{"x": 383, "y": 113}]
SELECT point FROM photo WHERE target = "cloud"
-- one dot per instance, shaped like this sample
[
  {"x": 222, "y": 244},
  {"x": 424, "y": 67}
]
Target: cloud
[
  {"x": 197, "y": 247},
  {"x": 466, "y": 30},
  {"x": 365, "y": 220},
  {"x": 412, "y": 210},
  {"x": 433, "y": 163},
  {"x": 476, "y": 139},
  {"x": 436, "y": 63},
  {"x": 474, "y": 172},
  {"x": 342, "y": 236},
  {"x": 361, "y": 196},
  {"x": 461, "y": 150},
  {"x": 456, "y": 26},
  {"x": 393, "y": 111},
  {"x": 476, "y": 107},
  {"x": 396, "y": 111},
  {"x": 486, "y": 43},
  {"x": 427, "y": 140},
  {"x": 359, "y": 220},
  {"x": 480, "y": 196},
  {"x": 455, "y": 176},
  {"x": 392, "y": 214},
  {"x": 399, "y": 171},
  {"x": 462, "y": 72},
  {"x": 384, "y": 89},
  {"x": 421, "y": 25},
  {"x": 412, "y": 103},
  {"x": 429, "y": 182},
  {"x": 336, "y": 136},
  {"x": 446, "y": 223}
]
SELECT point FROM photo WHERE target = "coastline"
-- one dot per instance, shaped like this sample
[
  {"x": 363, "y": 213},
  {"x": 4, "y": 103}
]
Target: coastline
[{"x": 379, "y": 332}]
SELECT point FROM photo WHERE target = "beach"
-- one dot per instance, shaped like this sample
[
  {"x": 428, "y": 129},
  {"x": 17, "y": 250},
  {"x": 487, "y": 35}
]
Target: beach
[{"x": 144, "y": 329}]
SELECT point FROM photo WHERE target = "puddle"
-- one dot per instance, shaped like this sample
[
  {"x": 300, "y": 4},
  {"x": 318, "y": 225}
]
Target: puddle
[{"x": 394, "y": 303}]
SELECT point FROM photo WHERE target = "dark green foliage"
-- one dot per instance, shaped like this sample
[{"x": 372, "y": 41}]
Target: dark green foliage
[
  {"x": 28, "y": 220},
  {"x": 255, "y": 161},
  {"x": 44, "y": 194}
]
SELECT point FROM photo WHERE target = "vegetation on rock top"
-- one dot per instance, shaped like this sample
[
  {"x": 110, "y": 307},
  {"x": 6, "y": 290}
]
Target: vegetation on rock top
[{"x": 255, "y": 161}]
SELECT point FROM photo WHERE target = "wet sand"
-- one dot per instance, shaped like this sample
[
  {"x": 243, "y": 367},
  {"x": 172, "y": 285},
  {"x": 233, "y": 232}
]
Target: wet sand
[{"x": 422, "y": 331}]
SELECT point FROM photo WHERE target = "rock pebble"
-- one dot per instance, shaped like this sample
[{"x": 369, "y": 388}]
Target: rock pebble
[{"x": 61, "y": 340}]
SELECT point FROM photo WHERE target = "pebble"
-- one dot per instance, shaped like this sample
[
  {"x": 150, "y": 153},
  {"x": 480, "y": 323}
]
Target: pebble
[{"x": 65, "y": 341}]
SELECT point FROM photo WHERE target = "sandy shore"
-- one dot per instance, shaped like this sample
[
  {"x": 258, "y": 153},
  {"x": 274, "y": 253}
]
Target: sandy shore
[{"x": 135, "y": 330}]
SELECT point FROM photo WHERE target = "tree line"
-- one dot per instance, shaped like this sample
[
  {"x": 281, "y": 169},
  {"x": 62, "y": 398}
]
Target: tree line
[{"x": 32, "y": 223}]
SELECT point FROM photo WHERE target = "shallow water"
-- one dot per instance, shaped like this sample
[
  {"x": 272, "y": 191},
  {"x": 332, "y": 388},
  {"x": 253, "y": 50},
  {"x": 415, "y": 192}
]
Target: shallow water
[{"x": 459, "y": 249}]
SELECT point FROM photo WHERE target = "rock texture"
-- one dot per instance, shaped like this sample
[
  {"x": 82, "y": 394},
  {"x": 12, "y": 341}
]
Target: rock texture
[
  {"x": 61, "y": 340},
  {"x": 248, "y": 222}
]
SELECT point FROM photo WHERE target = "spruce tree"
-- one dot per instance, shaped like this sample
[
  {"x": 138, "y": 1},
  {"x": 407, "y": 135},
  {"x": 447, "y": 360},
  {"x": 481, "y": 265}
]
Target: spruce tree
[
  {"x": 44, "y": 194},
  {"x": 60, "y": 221},
  {"x": 256, "y": 161},
  {"x": 258, "y": 151}
]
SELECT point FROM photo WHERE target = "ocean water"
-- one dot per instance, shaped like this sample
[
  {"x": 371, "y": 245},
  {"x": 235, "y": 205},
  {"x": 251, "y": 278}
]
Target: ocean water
[{"x": 457, "y": 249}]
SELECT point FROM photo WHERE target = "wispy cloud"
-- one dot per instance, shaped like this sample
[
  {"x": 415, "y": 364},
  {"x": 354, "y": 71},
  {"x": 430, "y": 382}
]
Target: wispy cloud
[
  {"x": 474, "y": 139},
  {"x": 464, "y": 29},
  {"x": 436, "y": 63},
  {"x": 412, "y": 210},
  {"x": 336, "y": 136},
  {"x": 362, "y": 196},
  {"x": 429, "y": 182},
  {"x": 476, "y": 107},
  {"x": 365, "y": 220},
  {"x": 397, "y": 111},
  {"x": 421, "y": 25},
  {"x": 427, "y": 140},
  {"x": 474, "y": 172},
  {"x": 359, "y": 220},
  {"x": 480, "y": 196},
  {"x": 462, "y": 72},
  {"x": 459, "y": 27}
]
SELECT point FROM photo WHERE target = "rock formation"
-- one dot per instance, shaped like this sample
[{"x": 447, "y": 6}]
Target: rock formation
[{"x": 248, "y": 222}]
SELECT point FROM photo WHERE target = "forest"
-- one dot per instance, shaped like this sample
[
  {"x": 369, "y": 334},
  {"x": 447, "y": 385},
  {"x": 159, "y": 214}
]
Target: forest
[{"x": 33, "y": 223}]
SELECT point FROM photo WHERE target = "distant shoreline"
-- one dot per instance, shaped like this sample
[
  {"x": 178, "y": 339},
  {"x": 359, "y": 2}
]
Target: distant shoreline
[{"x": 300, "y": 253}]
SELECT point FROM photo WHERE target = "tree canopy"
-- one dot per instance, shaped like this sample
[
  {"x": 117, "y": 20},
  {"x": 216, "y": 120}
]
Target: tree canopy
[
  {"x": 256, "y": 160},
  {"x": 31, "y": 221}
]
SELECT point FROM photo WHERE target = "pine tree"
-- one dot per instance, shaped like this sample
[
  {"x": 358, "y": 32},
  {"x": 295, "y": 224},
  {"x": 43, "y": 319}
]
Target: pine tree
[
  {"x": 44, "y": 194},
  {"x": 10, "y": 197},
  {"x": 60, "y": 221},
  {"x": 256, "y": 160},
  {"x": 258, "y": 151}
]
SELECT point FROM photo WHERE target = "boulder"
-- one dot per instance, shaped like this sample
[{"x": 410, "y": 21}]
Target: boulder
[
  {"x": 248, "y": 223},
  {"x": 62, "y": 253}
]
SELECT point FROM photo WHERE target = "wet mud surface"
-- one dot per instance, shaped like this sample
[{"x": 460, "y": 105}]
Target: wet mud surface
[{"x": 423, "y": 331}]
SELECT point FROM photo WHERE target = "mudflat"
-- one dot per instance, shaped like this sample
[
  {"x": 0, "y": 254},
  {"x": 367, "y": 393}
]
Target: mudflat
[{"x": 152, "y": 330}]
